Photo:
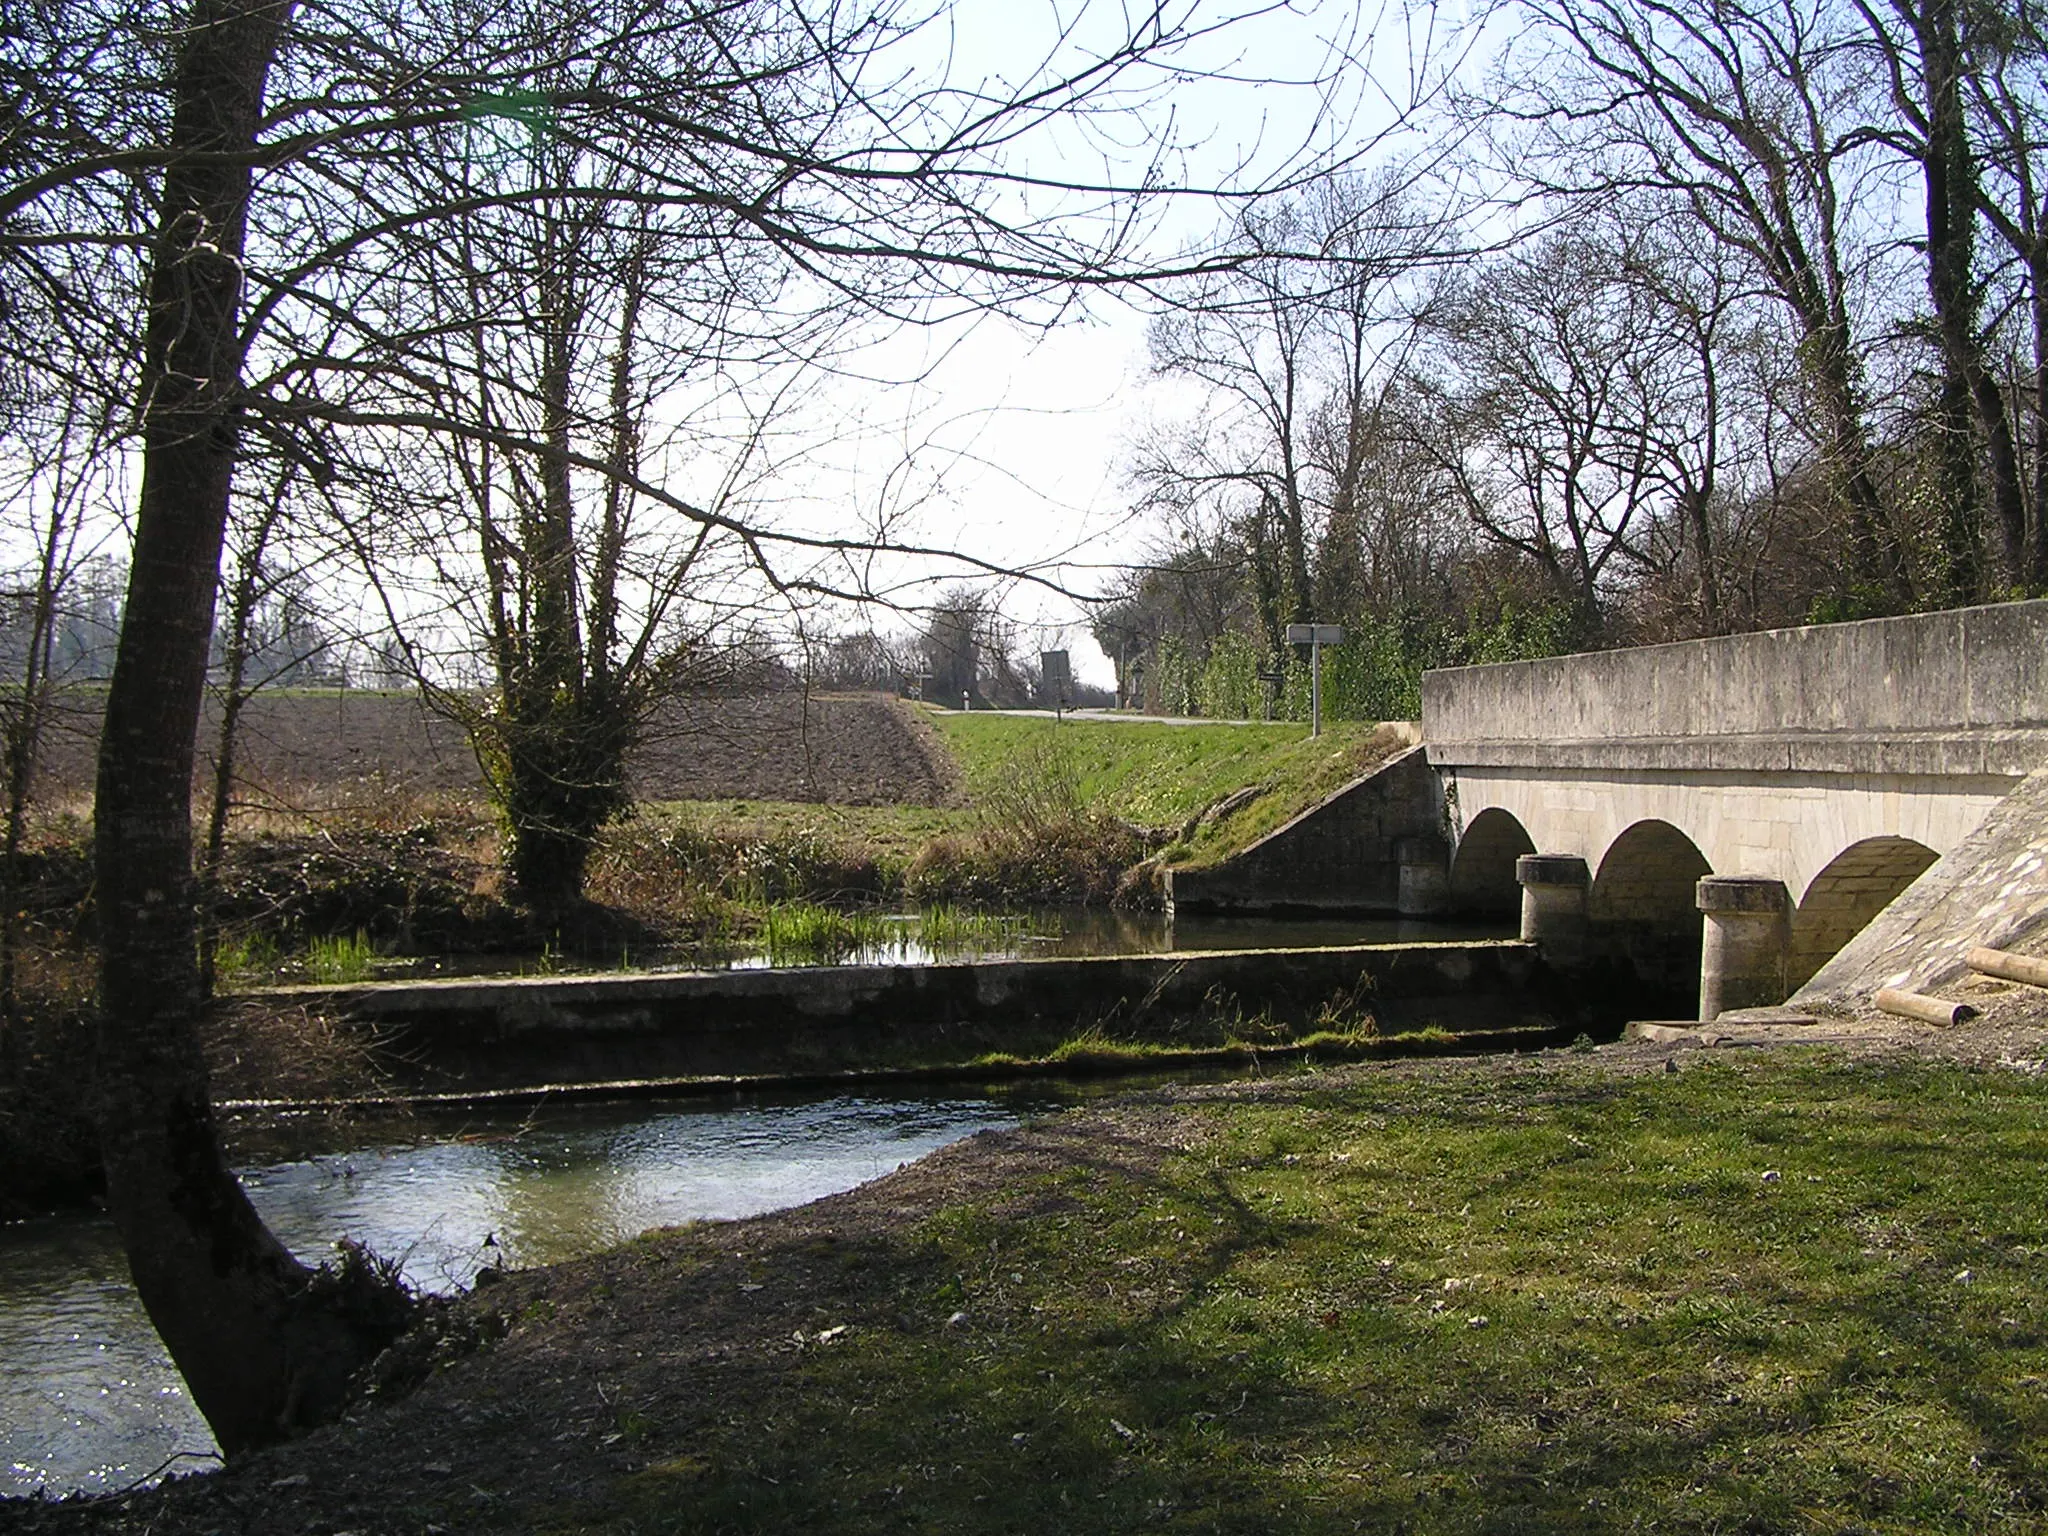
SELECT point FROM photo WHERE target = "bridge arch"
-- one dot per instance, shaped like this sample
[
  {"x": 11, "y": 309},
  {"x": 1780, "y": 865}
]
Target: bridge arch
[
  {"x": 1642, "y": 905},
  {"x": 1857, "y": 884},
  {"x": 1483, "y": 868}
]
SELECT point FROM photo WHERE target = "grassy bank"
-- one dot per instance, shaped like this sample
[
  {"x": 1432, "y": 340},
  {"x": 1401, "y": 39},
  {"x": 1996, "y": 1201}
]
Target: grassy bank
[
  {"x": 1788, "y": 1293},
  {"x": 1762, "y": 1298},
  {"x": 1165, "y": 776}
]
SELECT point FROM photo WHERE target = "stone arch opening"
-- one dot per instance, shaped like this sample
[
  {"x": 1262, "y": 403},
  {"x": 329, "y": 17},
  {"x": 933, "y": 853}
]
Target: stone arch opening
[
  {"x": 1858, "y": 883},
  {"x": 1483, "y": 868},
  {"x": 1642, "y": 905}
]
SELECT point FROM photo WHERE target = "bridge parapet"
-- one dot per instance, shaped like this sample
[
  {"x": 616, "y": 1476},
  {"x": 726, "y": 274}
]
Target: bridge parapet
[{"x": 1957, "y": 693}]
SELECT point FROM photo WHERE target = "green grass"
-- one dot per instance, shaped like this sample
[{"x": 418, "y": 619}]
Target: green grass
[
  {"x": 1161, "y": 775},
  {"x": 1787, "y": 1295},
  {"x": 804, "y": 933},
  {"x": 246, "y": 958},
  {"x": 808, "y": 933},
  {"x": 339, "y": 961},
  {"x": 950, "y": 931}
]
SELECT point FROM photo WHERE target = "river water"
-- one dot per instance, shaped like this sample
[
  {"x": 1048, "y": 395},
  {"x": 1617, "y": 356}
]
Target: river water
[
  {"x": 88, "y": 1399},
  {"x": 1036, "y": 933}
]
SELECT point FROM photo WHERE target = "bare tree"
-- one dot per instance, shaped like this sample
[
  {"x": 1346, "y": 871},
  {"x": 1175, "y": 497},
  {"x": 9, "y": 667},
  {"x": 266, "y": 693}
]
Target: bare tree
[
  {"x": 264, "y": 1344},
  {"x": 58, "y": 500},
  {"x": 287, "y": 308},
  {"x": 1920, "y": 46},
  {"x": 2006, "y": 86},
  {"x": 1549, "y": 398},
  {"x": 1746, "y": 111},
  {"x": 268, "y": 635},
  {"x": 1290, "y": 348}
]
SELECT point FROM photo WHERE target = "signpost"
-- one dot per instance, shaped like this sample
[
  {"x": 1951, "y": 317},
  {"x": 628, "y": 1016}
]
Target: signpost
[
  {"x": 1055, "y": 681},
  {"x": 1315, "y": 637},
  {"x": 1274, "y": 682}
]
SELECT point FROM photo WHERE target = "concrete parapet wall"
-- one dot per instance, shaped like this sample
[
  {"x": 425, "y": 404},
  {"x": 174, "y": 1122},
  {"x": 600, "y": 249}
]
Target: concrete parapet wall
[
  {"x": 1343, "y": 855},
  {"x": 1963, "y": 692},
  {"x": 467, "y": 1033}
]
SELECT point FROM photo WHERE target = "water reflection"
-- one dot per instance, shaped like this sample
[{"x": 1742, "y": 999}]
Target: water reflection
[
  {"x": 1045, "y": 932},
  {"x": 88, "y": 1398}
]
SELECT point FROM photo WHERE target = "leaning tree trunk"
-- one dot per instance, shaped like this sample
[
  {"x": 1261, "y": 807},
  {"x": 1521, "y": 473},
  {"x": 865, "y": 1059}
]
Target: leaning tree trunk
[{"x": 265, "y": 1344}]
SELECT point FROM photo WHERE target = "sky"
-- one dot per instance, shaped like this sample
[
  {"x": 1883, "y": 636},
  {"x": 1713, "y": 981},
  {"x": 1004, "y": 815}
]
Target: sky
[
  {"x": 1008, "y": 440},
  {"x": 1021, "y": 434}
]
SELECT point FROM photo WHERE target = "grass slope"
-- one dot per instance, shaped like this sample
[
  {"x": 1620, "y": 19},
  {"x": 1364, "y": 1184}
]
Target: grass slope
[
  {"x": 1765, "y": 1297},
  {"x": 1160, "y": 775}
]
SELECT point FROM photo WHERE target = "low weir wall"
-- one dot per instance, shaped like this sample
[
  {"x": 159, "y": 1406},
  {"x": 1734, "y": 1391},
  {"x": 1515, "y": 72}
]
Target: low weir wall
[{"x": 460, "y": 1035}]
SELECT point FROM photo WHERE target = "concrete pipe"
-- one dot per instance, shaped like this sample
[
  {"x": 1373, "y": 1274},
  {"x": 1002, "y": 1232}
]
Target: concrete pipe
[
  {"x": 1745, "y": 942},
  {"x": 2007, "y": 966},
  {"x": 1918, "y": 1005}
]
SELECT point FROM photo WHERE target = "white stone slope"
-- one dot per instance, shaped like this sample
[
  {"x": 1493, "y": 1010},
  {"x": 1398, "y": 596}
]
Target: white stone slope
[{"x": 1991, "y": 888}]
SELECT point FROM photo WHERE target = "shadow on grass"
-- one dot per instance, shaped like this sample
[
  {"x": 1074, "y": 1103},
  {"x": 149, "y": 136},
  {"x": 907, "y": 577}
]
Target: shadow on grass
[{"x": 1541, "y": 1303}]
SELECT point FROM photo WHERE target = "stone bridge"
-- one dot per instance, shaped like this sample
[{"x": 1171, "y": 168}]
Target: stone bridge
[{"x": 1762, "y": 796}]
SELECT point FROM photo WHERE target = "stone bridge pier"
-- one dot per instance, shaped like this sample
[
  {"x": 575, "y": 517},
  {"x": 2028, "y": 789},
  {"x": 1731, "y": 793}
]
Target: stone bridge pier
[{"x": 1731, "y": 811}]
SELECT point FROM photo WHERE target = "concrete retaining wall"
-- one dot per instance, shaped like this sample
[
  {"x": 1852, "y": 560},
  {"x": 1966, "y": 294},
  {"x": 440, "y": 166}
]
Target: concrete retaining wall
[
  {"x": 1963, "y": 692},
  {"x": 469, "y": 1034},
  {"x": 1344, "y": 855}
]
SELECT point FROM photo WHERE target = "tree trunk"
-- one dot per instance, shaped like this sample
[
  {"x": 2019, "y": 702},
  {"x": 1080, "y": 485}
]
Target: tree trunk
[
  {"x": 1949, "y": 166},
  {"x": 265, "y": 1344},
  {"x": 1959, "y": 534},
  {"x": 21, "y": 745},
  {"x": 2037, "y": 513},
  {"x": 1697, "y": 501},
  {"x": 1875, "y": 571}
]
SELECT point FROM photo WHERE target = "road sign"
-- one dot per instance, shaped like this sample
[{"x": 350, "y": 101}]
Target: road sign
[
  {"x": 1315, "y": 634},
  {"x": 1315, "y": 637}
]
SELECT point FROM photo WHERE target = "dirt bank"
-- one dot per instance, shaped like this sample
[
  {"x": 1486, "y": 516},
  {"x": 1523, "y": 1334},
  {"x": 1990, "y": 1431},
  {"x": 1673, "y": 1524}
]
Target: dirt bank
[{"x": 308, "y": 747}]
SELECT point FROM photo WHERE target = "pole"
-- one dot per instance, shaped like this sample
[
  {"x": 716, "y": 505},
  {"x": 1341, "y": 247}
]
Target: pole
[
  {"x": 1315, "y": 687},
  {"x": 1315, "y": 637}
]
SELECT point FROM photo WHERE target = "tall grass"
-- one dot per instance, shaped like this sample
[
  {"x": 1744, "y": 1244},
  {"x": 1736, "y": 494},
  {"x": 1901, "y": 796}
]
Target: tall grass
[
  {"x": 805, "y": 933},
  {"x": 946, "y": 930},
  {"x": 338, "y": 961},
  {"x": 246, "y": 958},
  {"x": 810, "y": 933}
]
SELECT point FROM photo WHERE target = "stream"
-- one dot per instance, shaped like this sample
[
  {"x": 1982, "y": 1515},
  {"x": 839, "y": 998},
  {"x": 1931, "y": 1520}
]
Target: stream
[
  {"x": 88, "y": 1398},
  {"x": 901, "y": 938}
]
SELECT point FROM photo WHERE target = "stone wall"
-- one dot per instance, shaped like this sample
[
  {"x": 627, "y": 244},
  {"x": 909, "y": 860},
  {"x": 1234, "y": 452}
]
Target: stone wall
[{"x": 1345, "y": 855}]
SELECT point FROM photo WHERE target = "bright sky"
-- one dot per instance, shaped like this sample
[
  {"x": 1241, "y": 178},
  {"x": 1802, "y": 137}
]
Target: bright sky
[
  {"x": 1020, "y": 435},
  {"x": 1010, "y": 447}
]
